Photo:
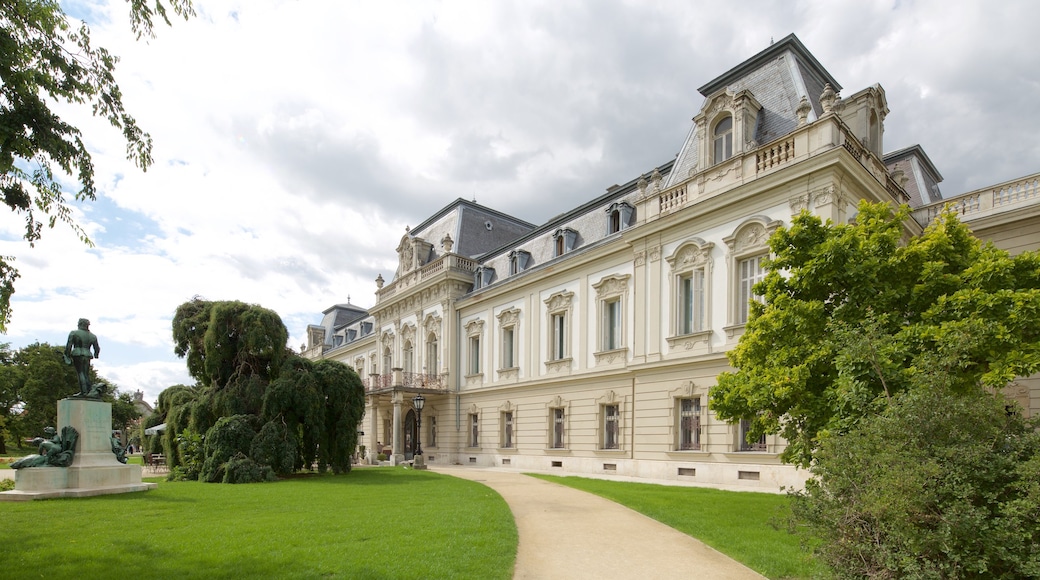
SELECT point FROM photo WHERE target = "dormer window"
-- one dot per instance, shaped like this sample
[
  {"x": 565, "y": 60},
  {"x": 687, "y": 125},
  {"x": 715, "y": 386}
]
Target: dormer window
[
  {"x": 565, "y": 239},
  {"x": 482, "y": 277},
  {"x": 619, "y": 217},
  {"x": 722, "y": 140},
  {"x": 518, "y": 260}
]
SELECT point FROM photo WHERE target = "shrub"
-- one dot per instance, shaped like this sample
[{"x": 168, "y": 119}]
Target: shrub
[
  {"x": 241, "y": 469},
  {"x": 274, "y": 447},
  {"x": 229, "y": 436},
  {"x": 936, "y": 486},
  {"x": 6, "y": 484}
]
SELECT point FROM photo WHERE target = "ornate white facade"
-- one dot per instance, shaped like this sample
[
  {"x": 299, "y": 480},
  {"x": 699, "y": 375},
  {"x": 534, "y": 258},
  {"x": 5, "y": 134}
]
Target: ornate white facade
[{"x": 588, "y": 344}]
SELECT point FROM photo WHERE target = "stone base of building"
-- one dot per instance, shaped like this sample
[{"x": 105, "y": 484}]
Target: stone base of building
[{"x": 94, "y": 469}]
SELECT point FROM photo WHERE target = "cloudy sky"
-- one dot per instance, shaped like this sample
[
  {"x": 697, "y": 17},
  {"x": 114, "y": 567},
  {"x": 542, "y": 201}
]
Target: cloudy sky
[{"x": 295, "y": 140}]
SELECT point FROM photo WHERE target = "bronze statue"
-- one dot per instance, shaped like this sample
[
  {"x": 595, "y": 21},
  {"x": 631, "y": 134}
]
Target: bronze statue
[
  {"x": 78, "y": 353},
  {"x": 118, "y": 449},
  {"x": 54, "y": 451}
]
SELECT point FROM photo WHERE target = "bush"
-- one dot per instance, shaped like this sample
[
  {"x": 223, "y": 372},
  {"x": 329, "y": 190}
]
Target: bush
[
  {"x": 6, "y": 484},
  {"x": 228, "y": 437},
  {"x": 241, "y": 469},
  {"x": 274, "y": 447},
  {"x": 936, "y": 486}
]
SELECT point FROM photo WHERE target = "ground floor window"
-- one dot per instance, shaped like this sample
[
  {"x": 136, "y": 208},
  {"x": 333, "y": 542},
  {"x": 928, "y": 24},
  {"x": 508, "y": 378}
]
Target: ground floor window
[
  {"x": 474, "y": 430},
  {"x": 756, "y": 445},
  {"x": 611, "y": 430},
  {"x": 557, "y": 430},
  {"x": 690, "y": 424},
  {"x": 507, "y": 430}
]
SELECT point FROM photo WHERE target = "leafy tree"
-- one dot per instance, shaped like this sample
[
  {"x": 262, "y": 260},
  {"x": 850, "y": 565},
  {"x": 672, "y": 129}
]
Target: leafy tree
[
  {"x": 44, "y": 60},
  {"x": 849, "y": 311},
  {"x": 124, "y": 412},
  {"x": 46, "y": 380},
  {"x": 344, "y": 409},
  {"x": 11, "y": 380},
  {"x": 939, "y": 484}
]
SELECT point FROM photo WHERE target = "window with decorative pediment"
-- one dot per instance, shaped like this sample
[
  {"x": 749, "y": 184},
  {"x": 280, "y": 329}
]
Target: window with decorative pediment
[
  {"x": 474, "y": 352},
  {"x": 610, "y": 421},
  {"x": 748, "y": 248},
  {"x": 611, "y": 297},
  {"x": 558, "y": 423},
  {"x": 726, "y": 126},
  {"x": 431, "y": 363},
  {"x": 509, "y": 325},
  {"x": 691, "y": 266},
  {"x": 558, "y": 313},
  {"x": 687, "y": 417},
  {"x": 506, "y": 426}
]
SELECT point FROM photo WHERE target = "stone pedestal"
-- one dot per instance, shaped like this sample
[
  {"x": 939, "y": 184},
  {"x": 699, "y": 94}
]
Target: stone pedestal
[
  {"x": 418, "y": 462},
  {"x": 94, "y": 469}
]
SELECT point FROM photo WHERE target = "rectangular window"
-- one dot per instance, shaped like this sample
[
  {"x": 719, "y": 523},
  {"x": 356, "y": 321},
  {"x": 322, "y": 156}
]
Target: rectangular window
[
  {"x": 612, "y": 324},
  {"x": 558, "y": 441},
  {"x": 758, "y": 445},
  {"x": 689, "y": 424},
  {"x": 559, "y": 336},
  {"x": 508, "y": 360},
  {"x": 749, "y": 273},
  {"x": 474, "y": 355},
  {"x": 507, "y": 429},
  {"x": 474, "y": 430},
  {"x": 611, "y": 430},
  {"x": 691, "y": 302},
  {"x": 433, "y": 432}
]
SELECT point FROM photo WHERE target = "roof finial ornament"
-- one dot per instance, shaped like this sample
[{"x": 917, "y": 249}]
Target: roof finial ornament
[
  {"x": 827, "y": 98},
  {"x": 803, "y": 111},
  {"x": 348, "y": 298},
  {"x": 770, "y": 41}
]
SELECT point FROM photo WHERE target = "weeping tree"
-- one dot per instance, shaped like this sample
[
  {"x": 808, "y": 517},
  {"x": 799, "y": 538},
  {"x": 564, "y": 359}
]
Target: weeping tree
[
  {"x": 300, "y": 413},
  {"x": 320, "y": 404}
]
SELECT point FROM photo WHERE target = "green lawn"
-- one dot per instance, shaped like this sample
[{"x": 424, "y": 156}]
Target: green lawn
[
  {"x": 737, "y": 524},
  {"x": 371, "y": 523}
]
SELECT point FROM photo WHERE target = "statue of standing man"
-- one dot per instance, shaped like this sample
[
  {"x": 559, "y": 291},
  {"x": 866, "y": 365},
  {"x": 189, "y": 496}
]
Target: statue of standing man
[{"x": 78, "y": 349}]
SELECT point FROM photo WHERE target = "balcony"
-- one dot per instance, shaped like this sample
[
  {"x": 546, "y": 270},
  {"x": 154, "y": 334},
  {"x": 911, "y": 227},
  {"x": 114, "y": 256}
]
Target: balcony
[
  {"x": 995, "y": 199},
  {"x": 810, "y": 140},
  {"x": 448, "y": 263}
]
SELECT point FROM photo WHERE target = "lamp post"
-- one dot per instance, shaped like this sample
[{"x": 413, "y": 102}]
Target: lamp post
[{"x": 419, "y": 401}]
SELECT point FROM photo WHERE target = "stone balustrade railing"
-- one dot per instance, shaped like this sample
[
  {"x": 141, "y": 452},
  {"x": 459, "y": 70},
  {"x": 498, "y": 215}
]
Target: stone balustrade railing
[
  {"x": 995, "y": 198},
  {"x": 448, "y": 262}
]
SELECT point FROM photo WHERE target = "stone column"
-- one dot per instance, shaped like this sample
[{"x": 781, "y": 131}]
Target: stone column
[
  {"x": 373, "y": 431},
  {"x": 398, "y": 443}
]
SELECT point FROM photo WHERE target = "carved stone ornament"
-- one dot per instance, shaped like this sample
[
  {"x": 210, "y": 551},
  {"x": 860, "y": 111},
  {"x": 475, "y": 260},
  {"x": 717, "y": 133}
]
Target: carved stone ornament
[
  {"x": 556, "y": 402},
  {"x": 474, "y": 327},
  {"x": 405, "y": 254},
  {"x": 408, "y": 332},
  {"x": 509, "y": 317},
  {"x": 613, "y": 285},
  {"x": 799, "y": 203},
  {"x": 827, "y": 98},
  {"x": 803, "y": 111},
  {"x": 655, "y": 253},
  {"x": 640, "y": 258},
  {"x": 387, "y": 340},
  {"x": 696, "y": 252},
  {"x": 824, "y": 196},
  {"x": 559, "y": 301},
  {"x": 507, "y": 407},
  {"x": 447, "y": 243},
  {"x": 433, "y": 325},
  {"x": 751, "y": 236}
]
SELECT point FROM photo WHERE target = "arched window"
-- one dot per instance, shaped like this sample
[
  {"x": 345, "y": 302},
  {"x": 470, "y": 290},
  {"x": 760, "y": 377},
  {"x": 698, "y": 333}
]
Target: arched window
[
  {"x": 722, "y": 140},
  {"x": 388, "y": 360}
]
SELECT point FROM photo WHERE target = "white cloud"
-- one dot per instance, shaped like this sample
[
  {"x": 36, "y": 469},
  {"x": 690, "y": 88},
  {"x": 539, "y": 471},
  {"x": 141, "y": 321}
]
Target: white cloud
[{"x": 295, "y": 140}]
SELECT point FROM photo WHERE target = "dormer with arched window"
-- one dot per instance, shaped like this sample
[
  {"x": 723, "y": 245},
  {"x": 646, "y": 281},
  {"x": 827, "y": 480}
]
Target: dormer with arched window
[
  {"x": 726, "y": 126},
  {"x": 619, "y": 216},
  {"x": 564, "y": 240}
]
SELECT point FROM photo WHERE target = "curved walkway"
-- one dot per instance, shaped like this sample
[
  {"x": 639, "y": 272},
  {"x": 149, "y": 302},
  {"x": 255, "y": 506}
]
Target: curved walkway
[{"x": 566, "y": 533}]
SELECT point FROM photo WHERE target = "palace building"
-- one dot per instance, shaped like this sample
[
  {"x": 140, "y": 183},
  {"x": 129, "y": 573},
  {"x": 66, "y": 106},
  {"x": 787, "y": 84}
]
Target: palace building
[{"x": 587, "y": 344}]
